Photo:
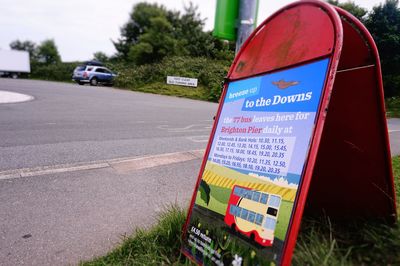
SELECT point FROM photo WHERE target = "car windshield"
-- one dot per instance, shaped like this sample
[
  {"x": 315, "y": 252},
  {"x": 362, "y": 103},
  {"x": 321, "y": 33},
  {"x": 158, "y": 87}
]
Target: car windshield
[{"x": 80, "y": 68}]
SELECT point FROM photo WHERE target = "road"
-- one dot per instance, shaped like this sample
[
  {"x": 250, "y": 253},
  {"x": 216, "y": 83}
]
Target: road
[
  {"x": 81, "y": 167},
  {"x": 52, "y": 214},
  {"x": 68, "y": 124},
  {"x": 394, "y": 135}
]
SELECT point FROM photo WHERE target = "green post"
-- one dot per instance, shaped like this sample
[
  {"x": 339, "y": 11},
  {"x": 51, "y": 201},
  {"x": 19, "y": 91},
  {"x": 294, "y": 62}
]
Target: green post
[{"x": 226, "y": 16}]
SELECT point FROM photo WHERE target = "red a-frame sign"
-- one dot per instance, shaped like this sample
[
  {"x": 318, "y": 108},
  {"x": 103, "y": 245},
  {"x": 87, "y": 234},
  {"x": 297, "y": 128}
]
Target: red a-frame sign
[{"x": 301, "y": 125}]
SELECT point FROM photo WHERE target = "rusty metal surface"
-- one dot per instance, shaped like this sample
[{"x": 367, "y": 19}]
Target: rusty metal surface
[{"x": 296, "y": 35}]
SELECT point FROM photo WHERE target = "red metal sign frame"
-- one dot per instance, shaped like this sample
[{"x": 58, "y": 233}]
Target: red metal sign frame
[{"x": 325, "y": 33}]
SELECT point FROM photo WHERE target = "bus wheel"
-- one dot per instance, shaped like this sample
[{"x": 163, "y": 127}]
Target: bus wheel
[
  {"x": 252, "y": 237},
  {"x": 233, "y": 227}
]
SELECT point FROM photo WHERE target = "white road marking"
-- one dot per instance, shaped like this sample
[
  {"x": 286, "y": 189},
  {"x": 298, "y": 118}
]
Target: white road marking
[
  {"x": 202, "y": 138},
  {"x": 13, "y": 97},
  {"x": 121, "y": 165},
  {"x": 394, "y": 130},
  {"x": 189, "y": 128},
  {"x": 153, "y": 161}
]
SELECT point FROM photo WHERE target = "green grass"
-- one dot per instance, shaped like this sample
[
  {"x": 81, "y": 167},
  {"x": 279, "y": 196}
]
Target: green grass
[
  {"x": 218, "y": 198},
  {"x": 213, "y": 205},
  {"x": 393, "y": 107},
  {"x": 283, "y": 219},
  {"x": 159, "y": 245},
  {"x": 320, "y": 242}
]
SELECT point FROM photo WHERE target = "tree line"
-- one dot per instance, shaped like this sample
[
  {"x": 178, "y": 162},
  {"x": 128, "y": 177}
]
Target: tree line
[
  {"x": 46, "y": 52},
  {"x": 383, "y": 22},
  {"x": 153, "y": 33}
]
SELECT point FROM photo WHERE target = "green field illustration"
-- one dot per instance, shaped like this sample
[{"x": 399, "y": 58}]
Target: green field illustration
[
  {"x": 225, "y": 177},
  {"x": 219, "y": 181}
]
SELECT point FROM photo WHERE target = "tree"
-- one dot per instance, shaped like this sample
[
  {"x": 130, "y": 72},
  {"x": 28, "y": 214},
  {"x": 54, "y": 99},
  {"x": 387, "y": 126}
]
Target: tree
[
  {"x": 156, "y": 43},
  {"x": 138, "y": 24},
  {"x": 100, "y": 56},
  {"x": 152, "y": 32},
  {"x": 47, "y": 52},
  {"x": 27, "y": 45},
  {"x": 189, "y": 29},
  {"x": 384, "y": 24},
  {"x": 355, "y": 10}
]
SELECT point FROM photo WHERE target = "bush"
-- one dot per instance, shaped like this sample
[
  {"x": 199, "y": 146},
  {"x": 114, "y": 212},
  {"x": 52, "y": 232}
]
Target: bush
[
  {"x": 56, "y": 72},
  {"x": 210, "y": 73},
  {"x": 152, "y": 77},
  {"x": 393, "y": 107},
  {"x": 391, "y": 84}
]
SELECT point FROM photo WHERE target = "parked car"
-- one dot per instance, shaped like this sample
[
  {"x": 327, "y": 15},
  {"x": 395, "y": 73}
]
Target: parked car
[{"x": 93, "y": 75}]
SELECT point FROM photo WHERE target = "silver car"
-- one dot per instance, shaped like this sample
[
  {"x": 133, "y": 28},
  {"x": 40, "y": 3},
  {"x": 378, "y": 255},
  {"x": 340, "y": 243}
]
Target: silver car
[{"x": 93, "y": 75}]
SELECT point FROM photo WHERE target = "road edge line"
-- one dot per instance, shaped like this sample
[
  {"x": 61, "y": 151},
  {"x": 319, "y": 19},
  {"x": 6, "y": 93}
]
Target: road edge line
[{"x": 130, "y": 163}]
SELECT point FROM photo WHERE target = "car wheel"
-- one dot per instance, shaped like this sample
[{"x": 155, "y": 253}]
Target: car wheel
[
  {"x": 81, "y": 83},
  {"x": 14, "y": 76},
  {"x": 94, "y": 82}
]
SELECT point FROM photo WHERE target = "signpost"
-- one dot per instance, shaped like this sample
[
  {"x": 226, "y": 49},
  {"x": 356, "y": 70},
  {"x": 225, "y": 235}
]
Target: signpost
[
  {"x": 301, "y": 117},
  {"x": 247, "y": 21}
]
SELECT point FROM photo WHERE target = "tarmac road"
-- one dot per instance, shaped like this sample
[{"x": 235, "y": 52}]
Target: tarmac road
[
  {"x": 67, "y": 123},
  {"x": 394, "y": 135},
  {"x": 81, "y": 167}
]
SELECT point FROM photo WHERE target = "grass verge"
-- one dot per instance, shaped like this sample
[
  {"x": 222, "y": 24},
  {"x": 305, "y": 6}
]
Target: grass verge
[
  {"x": 393, "y": 107},
  {"x": 159, "y": 245},
  {"x": 320, "y": 241}
]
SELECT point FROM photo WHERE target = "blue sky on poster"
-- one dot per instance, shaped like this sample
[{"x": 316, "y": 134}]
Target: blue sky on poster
[{"x": 81, "y": 28}]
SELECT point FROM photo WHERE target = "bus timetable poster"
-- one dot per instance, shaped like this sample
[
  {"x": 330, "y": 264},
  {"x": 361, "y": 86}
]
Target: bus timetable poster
[{"x": 246, "y": 195}]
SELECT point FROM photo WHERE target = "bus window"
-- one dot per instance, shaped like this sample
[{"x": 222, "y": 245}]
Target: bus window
[
  {"x": 234, "y": 210},
  {"x": 238, "y": 191},
  {"x": 270, "y": 223},
  {"x": 244, "y": 214},
  {"x": 238, "y": 211},
  {"x": 248, "y": 195},
  {"x": 252, "y": 216},
  {"x": 264, "y": 198},
  {"x": 259, "y": 219},
  {"x": 272, "y": 211},
  {"x": 256, "y": 196},
  {"x": 274, "y": 201}
]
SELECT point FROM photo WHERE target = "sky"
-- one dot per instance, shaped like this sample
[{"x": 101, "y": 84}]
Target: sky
[{"x": 81, "y": 28}]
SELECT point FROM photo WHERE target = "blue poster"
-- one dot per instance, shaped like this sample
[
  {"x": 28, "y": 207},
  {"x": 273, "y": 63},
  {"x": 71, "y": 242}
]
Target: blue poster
[{"x": 246, "y": 196}]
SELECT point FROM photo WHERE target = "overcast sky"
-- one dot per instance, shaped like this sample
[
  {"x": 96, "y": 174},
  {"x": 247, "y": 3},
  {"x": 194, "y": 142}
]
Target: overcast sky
[{"x": 81, "y": 28}]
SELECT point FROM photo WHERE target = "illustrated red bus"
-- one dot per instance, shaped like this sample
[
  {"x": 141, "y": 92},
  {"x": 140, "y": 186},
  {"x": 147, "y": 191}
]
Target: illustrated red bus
[{"x": 253, "y": 213}]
